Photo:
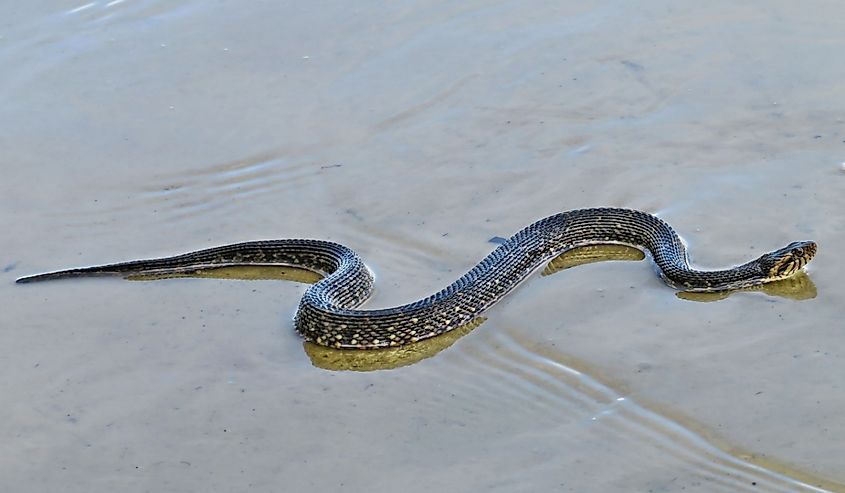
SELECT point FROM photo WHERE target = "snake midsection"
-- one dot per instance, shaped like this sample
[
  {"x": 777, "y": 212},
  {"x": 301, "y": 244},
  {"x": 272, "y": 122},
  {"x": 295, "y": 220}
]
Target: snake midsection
[{"x": 328, "y": 312}]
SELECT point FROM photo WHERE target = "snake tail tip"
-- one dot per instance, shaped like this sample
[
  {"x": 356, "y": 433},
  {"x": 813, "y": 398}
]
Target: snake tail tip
[
  {"x": 27, "y": 279},
  {"x": 36, "y": 278}
]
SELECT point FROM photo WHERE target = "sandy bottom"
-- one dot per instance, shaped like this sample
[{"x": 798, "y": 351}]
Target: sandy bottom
[{"x": 414, "y": 132}]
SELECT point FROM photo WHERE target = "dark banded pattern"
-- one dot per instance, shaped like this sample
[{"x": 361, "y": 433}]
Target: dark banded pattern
[{"x": 328, "y": 313}]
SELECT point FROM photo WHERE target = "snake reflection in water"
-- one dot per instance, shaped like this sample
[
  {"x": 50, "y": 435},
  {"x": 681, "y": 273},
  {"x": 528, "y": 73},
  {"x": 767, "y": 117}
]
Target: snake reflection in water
[{"x": 328, "y": 314}]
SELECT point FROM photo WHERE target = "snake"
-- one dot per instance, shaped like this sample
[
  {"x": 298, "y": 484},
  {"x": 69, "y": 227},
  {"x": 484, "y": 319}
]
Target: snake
[{"x": 329, "y": 312}]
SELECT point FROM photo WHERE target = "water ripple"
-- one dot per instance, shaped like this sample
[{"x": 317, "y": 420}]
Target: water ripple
[
  {"x": 545, "y": 391},
  {"x": 193, "y": 193},
  {"x": 219, "y": 187}
]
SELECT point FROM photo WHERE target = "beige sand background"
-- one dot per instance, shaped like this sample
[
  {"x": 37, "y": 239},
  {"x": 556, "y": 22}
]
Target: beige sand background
[{"x": 413, "y": 132}]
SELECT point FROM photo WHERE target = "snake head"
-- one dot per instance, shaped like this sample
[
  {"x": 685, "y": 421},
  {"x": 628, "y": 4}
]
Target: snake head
[{"x": 788, "y": 260}]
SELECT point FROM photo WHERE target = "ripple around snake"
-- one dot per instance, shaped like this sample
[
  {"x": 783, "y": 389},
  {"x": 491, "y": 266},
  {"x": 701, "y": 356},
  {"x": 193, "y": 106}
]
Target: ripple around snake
[
  {"x": 220, "y": 187},
  {"x": 496, "y": 372},
  {"x": 187, "y": 195}
]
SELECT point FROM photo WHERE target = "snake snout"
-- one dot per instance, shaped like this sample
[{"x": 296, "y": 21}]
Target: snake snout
[{"x": 803, "y": 250}]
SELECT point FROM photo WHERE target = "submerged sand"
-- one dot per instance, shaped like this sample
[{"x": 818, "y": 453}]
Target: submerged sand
[{"x": 414, "y": 132}]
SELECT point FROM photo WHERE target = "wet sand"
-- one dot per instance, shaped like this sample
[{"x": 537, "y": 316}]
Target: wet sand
[{"x": 414, "y": 133}]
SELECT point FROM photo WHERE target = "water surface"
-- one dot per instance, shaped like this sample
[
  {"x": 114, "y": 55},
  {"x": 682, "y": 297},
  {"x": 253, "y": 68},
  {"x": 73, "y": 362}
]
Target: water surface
[{"x": 414, "y": 132}]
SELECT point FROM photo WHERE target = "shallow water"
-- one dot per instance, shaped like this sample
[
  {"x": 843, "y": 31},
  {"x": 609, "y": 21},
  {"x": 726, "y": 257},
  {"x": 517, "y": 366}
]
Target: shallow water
[{"x": 414, "y": 133}]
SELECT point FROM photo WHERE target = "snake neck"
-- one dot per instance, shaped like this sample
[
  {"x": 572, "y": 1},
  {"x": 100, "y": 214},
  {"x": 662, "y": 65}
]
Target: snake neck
[{"x": 648, "y": 232}]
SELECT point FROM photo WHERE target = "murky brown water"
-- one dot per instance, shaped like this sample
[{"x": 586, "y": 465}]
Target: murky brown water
[{"x": 413, "y": 132}]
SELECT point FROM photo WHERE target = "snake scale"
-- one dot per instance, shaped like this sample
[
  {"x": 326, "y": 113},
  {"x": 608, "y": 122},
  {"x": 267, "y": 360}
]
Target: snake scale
[{"x": 328, "y": 312}]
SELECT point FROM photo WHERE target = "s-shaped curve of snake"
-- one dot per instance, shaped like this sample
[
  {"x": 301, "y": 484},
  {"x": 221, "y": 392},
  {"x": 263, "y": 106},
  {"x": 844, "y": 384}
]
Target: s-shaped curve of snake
[{"x": 328, "y": 312}]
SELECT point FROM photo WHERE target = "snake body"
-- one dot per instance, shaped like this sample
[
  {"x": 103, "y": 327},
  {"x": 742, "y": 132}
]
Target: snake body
[{"x": 328, "y": 312}]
